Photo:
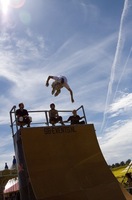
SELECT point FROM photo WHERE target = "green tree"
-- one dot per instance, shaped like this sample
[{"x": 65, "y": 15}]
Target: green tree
[
  {"x": 122, "y": 163},
  {"x": 128, "y": 161}
]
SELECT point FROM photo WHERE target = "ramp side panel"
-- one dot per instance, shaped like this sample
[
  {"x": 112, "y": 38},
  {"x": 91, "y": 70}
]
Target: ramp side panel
[
  {"x": 25, "y": 187},
  {"x": 67, "y": 163},
  {"x": 127, "y": 195}
]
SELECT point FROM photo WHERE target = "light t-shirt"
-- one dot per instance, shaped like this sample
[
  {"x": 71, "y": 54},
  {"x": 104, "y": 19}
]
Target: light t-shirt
[{"x": 58, "y": 79}]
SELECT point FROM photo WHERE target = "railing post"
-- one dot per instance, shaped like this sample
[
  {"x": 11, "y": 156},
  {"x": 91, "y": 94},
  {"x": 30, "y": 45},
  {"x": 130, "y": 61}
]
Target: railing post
[
  {"x": 84, "y": 114},
  {"x": 13, "y": 108},
  {"x": 46, "y": 115}
]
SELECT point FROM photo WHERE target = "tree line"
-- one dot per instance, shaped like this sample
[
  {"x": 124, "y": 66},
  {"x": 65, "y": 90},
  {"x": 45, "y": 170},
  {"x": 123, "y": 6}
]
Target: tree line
[{"x": 122, "y": 163}]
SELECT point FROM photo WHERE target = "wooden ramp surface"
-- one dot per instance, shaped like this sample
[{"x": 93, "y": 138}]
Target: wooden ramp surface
[{"x": 66, "y": 163}]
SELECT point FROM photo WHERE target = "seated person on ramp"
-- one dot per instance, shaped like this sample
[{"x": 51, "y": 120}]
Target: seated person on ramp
[
  {"x": 54, "y": 116},
  {"x": 22, "y": 116},
  {"x": 59, "y": 82},
  {"x": 75, "y": 119}
]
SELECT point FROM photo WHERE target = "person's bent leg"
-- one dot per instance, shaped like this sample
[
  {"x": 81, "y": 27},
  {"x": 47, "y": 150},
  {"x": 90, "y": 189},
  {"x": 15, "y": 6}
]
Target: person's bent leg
[
  {"x": 53, "y": 85},
  {"x": 82, "y": 122},
  {"x": 60, "y": 120},
  {"x": 52, "y": 121},
  {"x": 27, "y": 121},
  {"x": 57, "y": 92}
]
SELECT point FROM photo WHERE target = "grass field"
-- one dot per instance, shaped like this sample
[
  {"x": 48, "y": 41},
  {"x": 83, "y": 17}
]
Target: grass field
[{"x": 120, "y": 172}]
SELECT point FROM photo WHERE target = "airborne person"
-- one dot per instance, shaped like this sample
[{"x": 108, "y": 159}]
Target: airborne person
[{"x": 59, "y": 82}]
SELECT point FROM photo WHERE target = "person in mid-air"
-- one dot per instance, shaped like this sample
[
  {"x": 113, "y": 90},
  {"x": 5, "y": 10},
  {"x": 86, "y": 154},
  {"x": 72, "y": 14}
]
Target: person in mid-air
[{"x": 59, "y": 82}]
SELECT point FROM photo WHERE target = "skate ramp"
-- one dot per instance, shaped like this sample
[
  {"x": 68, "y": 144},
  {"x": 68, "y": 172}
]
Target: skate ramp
[
  {"x": 65, "y": 162},
  {"x": 126, "y": 194}
]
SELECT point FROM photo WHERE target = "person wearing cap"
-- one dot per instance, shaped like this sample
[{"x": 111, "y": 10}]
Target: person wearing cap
[
  {"x": 58, "y": 83},
  {"x": 23, "y": 116},
  {"x": 75, "y": 118},
  {"x": 54, "y": 116}
]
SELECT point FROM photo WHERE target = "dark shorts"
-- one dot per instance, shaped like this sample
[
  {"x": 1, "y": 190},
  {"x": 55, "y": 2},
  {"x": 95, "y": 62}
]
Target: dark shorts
[
  {"x": 55, "y": 119},
  {"x": 76, "y": 122}
]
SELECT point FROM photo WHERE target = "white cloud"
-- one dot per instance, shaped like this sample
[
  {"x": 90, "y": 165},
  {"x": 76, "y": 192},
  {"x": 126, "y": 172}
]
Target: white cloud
[
  {"x": 121, "y": 105},
  {"x": 116, "y": 143}
]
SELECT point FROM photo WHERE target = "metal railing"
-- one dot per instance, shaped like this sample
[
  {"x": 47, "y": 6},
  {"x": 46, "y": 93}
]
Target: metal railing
[
  {"x": 9, "y": 173},
  {"x": 40, "y": 117}
]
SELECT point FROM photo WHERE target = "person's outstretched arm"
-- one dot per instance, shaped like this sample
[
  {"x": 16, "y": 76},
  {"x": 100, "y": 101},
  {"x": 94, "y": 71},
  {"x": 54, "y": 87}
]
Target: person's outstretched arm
[
  {"x": 71, "y": 93},
  {"x": 69, "y": 89},
  {"x": 67, "y": 120},
  {"x": 47, "y": 82}
]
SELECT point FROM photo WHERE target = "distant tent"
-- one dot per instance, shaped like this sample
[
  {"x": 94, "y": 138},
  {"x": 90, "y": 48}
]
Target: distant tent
[{"x": 13, "y": 188}]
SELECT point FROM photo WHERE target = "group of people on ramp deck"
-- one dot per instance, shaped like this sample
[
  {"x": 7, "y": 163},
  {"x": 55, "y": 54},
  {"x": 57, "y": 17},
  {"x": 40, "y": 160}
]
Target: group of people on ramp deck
[
  {"x": 59, "y": 82},
  {"x": 23, "y": 117},
  {"x": 55, "y": 118}
]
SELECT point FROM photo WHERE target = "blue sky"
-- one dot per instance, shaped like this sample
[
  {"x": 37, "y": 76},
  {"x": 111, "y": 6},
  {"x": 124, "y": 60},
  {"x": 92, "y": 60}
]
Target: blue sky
[{"x": 88, "y": 41}]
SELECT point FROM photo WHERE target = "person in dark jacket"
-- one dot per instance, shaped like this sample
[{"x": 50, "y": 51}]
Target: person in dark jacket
[
  {"x": 22, "y": 116},
  {"x": 75, "y": 118}
]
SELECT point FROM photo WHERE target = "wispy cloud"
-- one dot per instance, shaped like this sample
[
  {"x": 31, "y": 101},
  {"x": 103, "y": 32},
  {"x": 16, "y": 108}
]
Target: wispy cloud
[
  {"x": 113, "y": 144},
  {"x": 117, "y": 56},
  {"x": 122, "y": 105}
]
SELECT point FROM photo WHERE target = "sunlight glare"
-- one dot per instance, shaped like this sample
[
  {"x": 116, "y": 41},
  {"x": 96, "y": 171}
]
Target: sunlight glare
[
  {"x": 4, "y": 6},
  {"x": 17, "y": 3}
]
